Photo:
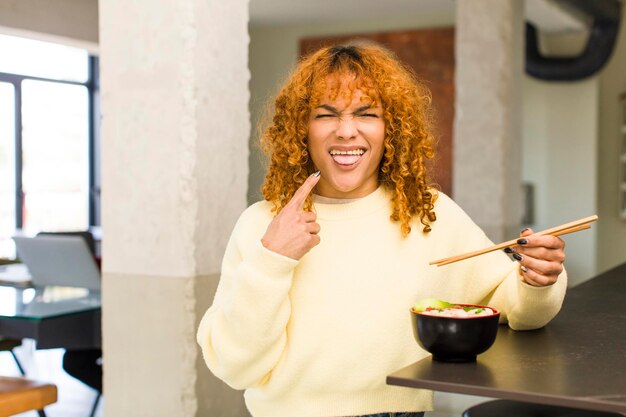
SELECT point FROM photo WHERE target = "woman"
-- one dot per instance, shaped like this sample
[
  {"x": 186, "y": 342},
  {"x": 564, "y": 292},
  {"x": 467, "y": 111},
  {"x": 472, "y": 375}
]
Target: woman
[{"x": 312, "y": 308}]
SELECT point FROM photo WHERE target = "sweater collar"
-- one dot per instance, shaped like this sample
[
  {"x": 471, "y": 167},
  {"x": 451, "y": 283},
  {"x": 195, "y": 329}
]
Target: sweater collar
[{"x": 370, "y": 203}]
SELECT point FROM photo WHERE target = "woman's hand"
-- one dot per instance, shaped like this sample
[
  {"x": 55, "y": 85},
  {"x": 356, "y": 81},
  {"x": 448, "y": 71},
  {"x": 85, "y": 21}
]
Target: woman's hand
[
  {"x": 541, "y": 258},
  {"x": 293, "y": 232}
]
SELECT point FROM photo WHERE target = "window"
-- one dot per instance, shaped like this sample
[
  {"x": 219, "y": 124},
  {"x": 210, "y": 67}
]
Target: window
[
  {"x": 7, "y": 166},
  {"x": 47, "y": 139}
]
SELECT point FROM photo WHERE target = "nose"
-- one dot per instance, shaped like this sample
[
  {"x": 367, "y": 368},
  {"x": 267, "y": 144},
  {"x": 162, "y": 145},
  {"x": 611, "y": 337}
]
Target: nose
[{"x": 347, "y": 128}]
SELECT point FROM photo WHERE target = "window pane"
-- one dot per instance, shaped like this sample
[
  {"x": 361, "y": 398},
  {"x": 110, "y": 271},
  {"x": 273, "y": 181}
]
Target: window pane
[
  {"x": 55, "y": 171},
  {"x": 43, "y": 59},
  {"x": 7, "y": 170}
]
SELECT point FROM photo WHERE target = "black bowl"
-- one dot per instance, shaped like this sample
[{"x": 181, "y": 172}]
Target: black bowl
[{"x": 455, "y": 339}]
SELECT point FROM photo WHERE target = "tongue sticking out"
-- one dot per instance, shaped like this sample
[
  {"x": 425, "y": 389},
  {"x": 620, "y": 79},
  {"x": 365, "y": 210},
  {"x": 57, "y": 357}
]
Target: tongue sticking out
[{"x": 346, "y": 159}]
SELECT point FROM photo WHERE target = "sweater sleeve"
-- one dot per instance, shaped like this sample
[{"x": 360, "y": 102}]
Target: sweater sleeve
[
  {"x": 243, "y": 333},
  {"x": 493, "y": 279},
  {"x": 525, "y": 307}
]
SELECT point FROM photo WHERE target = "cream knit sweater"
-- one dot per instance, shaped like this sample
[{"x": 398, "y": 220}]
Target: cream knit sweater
[{"x": 318, "y": 336}]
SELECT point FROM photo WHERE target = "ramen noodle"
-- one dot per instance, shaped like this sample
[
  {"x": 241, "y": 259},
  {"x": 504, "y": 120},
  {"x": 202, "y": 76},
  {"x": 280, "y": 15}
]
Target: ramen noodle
[{"x": 459, "y": 311}]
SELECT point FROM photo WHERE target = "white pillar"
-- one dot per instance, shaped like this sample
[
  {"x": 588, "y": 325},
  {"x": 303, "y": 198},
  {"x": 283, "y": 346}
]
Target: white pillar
[
  {"x": 175, "y": 128},
  {"x": 487, "y": 131}
]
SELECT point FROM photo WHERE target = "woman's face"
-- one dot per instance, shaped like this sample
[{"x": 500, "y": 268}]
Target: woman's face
[{"x": 345, "y": 142}]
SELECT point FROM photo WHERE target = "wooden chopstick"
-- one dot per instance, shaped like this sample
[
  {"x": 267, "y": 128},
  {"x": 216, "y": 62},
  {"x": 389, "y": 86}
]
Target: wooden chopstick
[{"x": 563, "y": 229}]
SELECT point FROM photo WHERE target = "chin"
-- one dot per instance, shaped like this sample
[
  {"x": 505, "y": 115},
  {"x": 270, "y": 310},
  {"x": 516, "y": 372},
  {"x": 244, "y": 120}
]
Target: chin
[{"x": 346, "y": 188}]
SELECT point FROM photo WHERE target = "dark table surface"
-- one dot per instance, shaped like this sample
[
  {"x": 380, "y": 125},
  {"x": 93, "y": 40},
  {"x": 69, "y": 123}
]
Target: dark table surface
[
  {"x": 56, "y": 317},
  {"x": 577, "y": 360}
]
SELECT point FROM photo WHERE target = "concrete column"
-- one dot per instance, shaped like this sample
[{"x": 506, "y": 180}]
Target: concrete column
[
  {"x": 487, "y": 130},
  {"x": 175, "y": 133}
]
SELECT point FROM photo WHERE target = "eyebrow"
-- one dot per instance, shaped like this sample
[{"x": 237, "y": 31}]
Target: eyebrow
[
  {"x": 328, "y": 107},
  {"x": 336, "y": 111}
]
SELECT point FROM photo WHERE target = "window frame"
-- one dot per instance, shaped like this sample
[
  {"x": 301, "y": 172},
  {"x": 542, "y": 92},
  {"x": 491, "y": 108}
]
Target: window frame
[{"x": 92, "y": 85}]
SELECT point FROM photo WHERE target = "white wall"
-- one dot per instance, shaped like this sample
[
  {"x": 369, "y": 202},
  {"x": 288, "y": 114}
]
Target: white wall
[
  {"x": 612, "y": 229},
  {"x": 559, "y": 159}
]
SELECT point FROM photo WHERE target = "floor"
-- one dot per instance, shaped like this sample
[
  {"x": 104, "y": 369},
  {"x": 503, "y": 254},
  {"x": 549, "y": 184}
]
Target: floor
[{"x": 74, "y": 398}]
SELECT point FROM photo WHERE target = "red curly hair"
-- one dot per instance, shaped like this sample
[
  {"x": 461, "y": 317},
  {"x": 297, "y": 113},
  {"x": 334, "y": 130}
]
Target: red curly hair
[{"x": 408, "y": 143}]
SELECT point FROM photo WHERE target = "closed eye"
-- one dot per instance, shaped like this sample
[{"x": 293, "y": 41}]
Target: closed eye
[{"x": 323, "y": 116}]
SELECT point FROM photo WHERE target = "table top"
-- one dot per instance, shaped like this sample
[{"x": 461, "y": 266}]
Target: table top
[
  {"x": 46, "y": 302},
  {"x": 577, "y": 360}
]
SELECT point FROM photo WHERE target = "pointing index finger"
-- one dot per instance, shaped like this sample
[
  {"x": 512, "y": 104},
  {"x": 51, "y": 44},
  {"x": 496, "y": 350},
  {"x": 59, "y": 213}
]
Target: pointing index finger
[{"x": 299, "y": 197}]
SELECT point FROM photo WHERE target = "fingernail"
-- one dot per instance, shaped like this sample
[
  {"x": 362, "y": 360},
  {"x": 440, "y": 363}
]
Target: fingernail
[
  {"x": 508, "y": 250},
  {"x": 517, "y": 257},
  {"x": 523, "y": 268},
  {"x": 316, "y": 173},
  {"x": 522, "y": 241},
  {"x": 525, "y": 230}
]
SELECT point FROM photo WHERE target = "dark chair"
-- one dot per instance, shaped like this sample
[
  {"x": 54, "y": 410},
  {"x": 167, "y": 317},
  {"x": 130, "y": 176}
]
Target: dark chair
[
  {"x": 510, "y": 408},
  {"x": 86, "y": 366}
]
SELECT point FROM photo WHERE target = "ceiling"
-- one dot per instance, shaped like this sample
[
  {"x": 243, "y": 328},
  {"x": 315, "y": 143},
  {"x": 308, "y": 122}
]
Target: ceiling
[
  {"x": 281, "y": 12},
  {"x": 546, "y": 14}
]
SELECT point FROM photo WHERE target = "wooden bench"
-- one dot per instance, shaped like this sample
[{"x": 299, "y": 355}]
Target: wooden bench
[{"x": 18, "y": 395}]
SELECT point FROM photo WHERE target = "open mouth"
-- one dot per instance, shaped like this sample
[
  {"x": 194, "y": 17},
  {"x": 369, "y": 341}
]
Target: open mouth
[{"x": 349, "y": 157}]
